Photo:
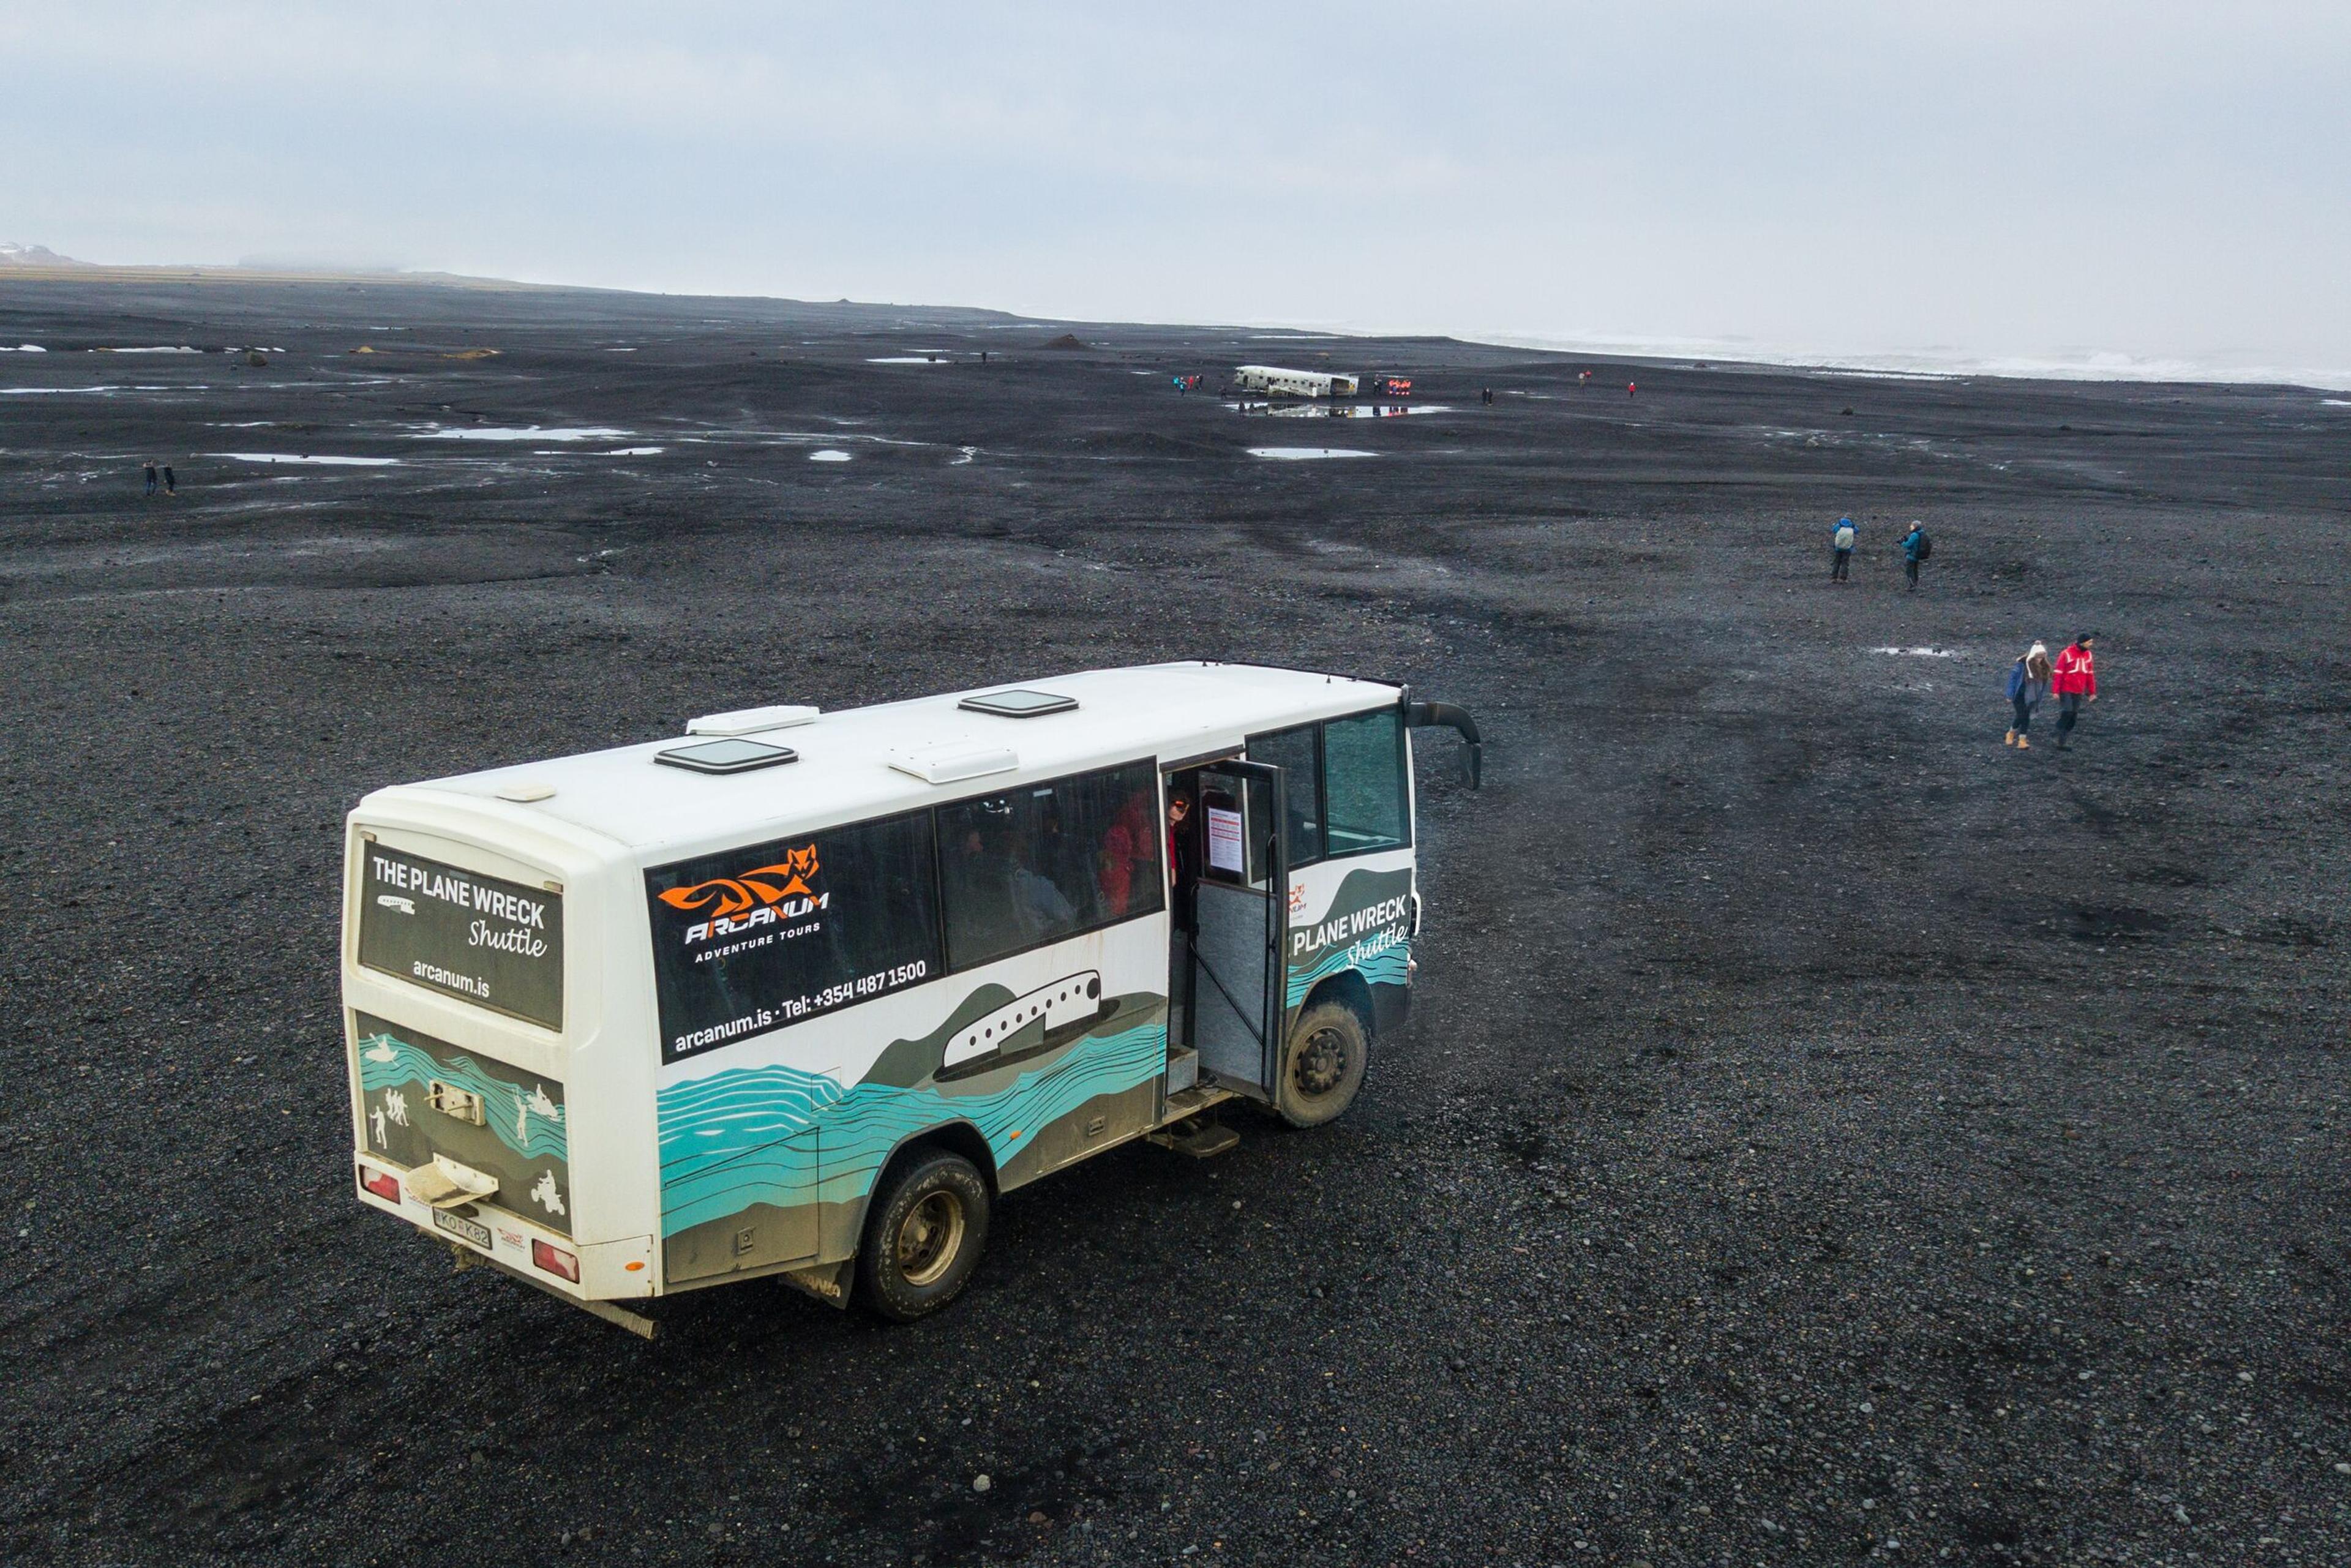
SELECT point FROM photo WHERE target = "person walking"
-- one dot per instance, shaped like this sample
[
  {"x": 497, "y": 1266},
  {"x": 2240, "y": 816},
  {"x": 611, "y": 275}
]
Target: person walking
[
  {"x": 170, "y": 483},
  {"x": 2028, "y": 683},
  {"x": 2075, "y": 679},
  {"x": 1916, "y": 547},
  {"x": 1841, "y": 542},
  {"x": 150, "y": 476}
]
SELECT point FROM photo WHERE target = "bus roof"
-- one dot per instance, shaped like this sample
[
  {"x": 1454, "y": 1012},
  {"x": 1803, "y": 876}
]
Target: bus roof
[{"x": 845, "y": 771}]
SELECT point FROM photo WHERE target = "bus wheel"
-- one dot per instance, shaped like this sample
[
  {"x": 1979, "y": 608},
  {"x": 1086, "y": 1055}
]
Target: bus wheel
[
  {"x": 923, "y": 1238},
  {"x": 1321, "y": 1066}
]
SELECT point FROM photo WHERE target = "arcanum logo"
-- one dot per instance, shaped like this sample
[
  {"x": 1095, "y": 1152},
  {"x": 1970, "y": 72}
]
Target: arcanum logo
[{"x": 764, "y": 896}]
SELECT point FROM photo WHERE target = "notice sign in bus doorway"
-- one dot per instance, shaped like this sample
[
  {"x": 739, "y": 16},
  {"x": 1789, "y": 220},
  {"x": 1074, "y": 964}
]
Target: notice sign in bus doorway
[{"x": 1224, "y": 839}]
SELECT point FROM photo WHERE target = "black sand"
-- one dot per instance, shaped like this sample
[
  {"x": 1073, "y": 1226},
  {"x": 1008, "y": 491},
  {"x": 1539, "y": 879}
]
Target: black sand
[{"x": 1824, "y": 1131}]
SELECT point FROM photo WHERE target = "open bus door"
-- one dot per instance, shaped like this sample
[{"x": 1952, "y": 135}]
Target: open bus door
[{"x": 1240, "y": 924}]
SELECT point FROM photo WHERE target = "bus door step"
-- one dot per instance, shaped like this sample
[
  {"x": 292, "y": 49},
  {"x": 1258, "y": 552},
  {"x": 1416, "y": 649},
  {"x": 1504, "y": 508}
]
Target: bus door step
[{"x": 1196, "y": 1138}]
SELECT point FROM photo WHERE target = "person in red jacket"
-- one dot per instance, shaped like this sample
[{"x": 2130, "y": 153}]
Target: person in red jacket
[{"x": 2075, "y": 679}]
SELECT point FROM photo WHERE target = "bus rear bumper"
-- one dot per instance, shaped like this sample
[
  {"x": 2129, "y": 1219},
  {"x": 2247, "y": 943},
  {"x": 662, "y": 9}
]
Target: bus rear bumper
[{"x": 587, "y": 1274}]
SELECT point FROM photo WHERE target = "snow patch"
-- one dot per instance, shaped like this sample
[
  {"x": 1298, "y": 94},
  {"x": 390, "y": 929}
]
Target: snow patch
[
  {"x": 308, "y": 457},
  {"x": 909, "y": 359},
  {"x": 526, "y": 433},
  {"x": 1307, "y": 453},
  {"x": 632, "y": 452},
  {"x": 830, "y": 455},
  {"x": 1919, "y": 653},
  {"x": 162, "y": 350},
  {"x": 24, "y": 349}
]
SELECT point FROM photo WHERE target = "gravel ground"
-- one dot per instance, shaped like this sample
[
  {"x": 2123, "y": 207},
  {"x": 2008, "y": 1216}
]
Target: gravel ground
[{"x": 1824, "y": 1135}]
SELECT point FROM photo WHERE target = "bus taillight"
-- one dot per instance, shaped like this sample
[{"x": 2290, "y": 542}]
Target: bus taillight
[
  {"x": 383, "y": 1184},
  {"x": 555, "y": 1260}
]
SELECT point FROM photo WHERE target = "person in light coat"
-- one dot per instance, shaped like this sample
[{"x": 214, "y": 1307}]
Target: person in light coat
[{"x": 2028, "y": 683}]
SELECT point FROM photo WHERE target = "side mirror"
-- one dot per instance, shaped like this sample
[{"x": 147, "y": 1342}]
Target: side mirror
[{"x": 1446, "y": 716}]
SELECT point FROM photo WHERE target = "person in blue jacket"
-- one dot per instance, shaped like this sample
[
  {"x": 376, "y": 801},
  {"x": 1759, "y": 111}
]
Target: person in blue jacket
[
  {"x": 2028, "y": 683},
  {"x": 1914, "y": 549},
  {"x": 1841, "y": 542}
]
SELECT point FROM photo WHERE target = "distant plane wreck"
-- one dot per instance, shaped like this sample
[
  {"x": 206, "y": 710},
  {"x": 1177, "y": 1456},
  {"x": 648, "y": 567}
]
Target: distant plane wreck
[{"x": 1274, "y": 382}]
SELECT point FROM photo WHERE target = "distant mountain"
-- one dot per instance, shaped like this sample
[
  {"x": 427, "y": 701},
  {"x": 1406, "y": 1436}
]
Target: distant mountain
[{"x": 35, "y": 256}]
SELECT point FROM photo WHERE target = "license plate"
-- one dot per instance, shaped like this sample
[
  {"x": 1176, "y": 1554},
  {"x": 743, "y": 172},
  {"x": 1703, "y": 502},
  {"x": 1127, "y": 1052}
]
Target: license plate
[{"x": 458, "y": 1225}]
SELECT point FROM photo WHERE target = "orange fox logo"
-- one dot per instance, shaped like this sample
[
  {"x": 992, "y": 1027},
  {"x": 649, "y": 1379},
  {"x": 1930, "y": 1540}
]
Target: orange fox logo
[{"x": 726, "y": 897}]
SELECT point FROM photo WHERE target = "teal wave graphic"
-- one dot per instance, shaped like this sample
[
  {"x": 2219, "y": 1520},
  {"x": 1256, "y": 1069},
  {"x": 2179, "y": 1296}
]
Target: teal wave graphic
[
  {"x": 740, "y": 1137},
  {"x": 1391, "y": 966},
  {"x": 388, "y": 1062}
]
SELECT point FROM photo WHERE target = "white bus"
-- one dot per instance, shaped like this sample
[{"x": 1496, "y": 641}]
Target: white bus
[
  {"x": 1274, "y": 382},
  {"x": 800, "y": 994}
]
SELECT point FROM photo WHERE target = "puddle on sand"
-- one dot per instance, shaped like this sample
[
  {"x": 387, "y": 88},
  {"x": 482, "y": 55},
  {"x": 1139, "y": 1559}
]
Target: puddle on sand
[
  {"x": 526, "y": 433},
  {"x": 1302, "y": 454},
  {"x": 307, "y": 457},
  {"x": 829, "y": 456},
  {"x": 1338, "y": 410}
]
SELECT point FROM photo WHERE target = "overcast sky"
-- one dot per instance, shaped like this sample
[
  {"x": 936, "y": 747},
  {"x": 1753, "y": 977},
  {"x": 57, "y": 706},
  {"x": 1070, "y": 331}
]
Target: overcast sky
[{"x": 1990, "y": 179}]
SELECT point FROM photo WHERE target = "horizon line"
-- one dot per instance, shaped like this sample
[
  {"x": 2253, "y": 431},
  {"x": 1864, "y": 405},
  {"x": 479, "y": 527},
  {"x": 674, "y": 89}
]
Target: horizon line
[{"x": 1937, "y": 362}]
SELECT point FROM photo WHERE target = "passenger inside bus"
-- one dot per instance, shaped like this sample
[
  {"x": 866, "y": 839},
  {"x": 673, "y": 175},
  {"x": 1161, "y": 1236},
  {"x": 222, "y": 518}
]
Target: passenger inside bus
[
  {"x": 979, "y": 891},
  {"x": 1182, "y": 865},
  {"x": 1038, "y": 902},
  {"x": 1129, "y": 857}
]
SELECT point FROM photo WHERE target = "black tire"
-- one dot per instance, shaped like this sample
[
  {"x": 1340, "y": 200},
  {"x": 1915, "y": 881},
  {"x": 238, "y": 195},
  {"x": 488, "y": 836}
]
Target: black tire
[
  {"x": 924, "y": 1237},
  {"x": 1321, "y": 1065}
]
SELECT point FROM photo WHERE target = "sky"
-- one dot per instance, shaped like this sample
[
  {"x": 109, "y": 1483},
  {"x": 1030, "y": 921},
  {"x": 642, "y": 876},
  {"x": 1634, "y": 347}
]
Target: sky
[{"x": 2144, "y": 184}]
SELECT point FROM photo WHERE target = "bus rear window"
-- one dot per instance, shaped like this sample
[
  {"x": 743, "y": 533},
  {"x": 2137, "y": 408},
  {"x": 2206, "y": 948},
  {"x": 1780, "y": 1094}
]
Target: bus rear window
[
  {"x": 496, "y": 943},
  {"x": 753, "y": 939}
]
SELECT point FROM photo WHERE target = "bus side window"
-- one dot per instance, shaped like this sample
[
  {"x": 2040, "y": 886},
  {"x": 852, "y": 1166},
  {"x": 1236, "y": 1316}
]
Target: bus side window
[
  {"x": 1294, "y": 752},
  {"x": 1046, "y": 862},
  {"x": 1362, "y": 760}
]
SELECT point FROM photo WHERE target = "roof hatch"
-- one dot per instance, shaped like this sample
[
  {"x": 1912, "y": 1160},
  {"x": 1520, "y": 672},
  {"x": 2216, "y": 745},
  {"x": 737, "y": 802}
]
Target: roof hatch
[
  {"x": 1018, "y": 704},
  {"x": 731, "y": 754}
]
